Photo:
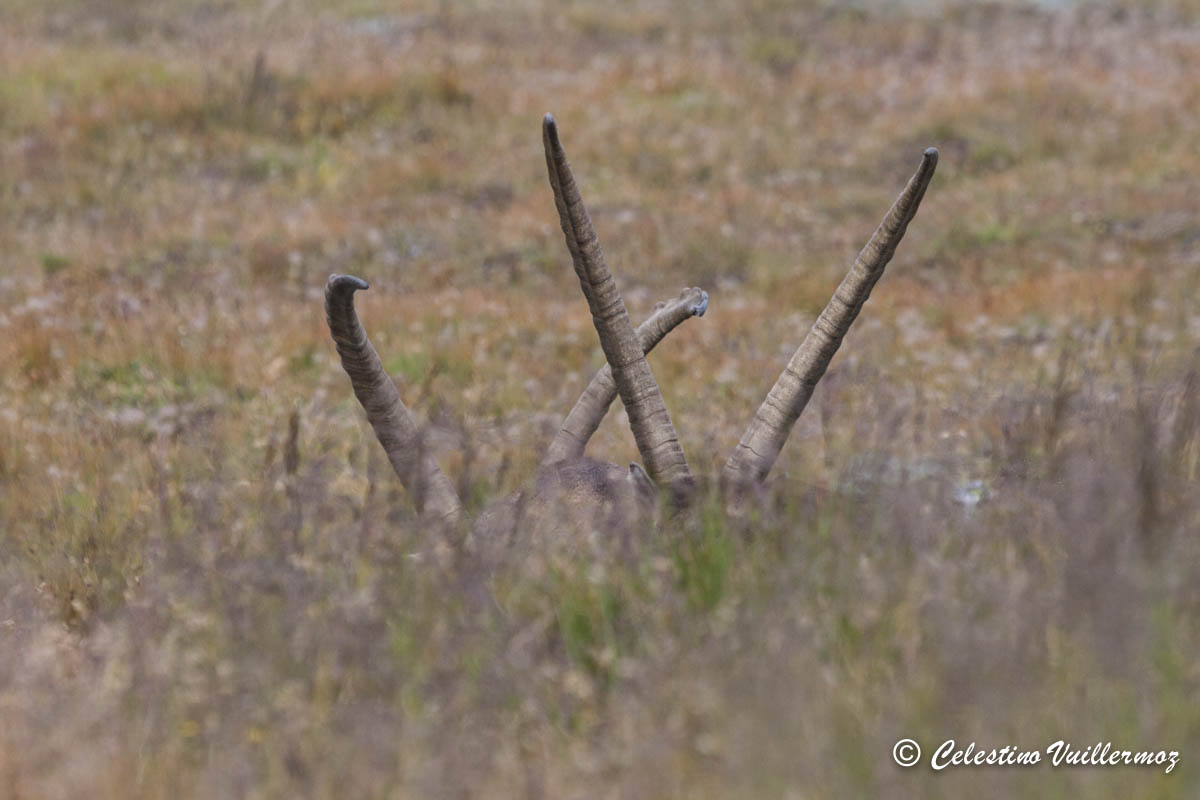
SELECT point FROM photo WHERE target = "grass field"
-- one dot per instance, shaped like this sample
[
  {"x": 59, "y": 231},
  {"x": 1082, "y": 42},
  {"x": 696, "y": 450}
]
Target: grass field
[{"x": 984, "y": 527}]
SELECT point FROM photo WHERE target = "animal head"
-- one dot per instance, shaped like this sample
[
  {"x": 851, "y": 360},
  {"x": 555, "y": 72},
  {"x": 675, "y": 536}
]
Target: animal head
[{"x": 568, "y": 482}]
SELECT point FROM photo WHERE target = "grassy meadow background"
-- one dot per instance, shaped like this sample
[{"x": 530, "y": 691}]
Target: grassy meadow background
[{"x": 983, "y": 528}]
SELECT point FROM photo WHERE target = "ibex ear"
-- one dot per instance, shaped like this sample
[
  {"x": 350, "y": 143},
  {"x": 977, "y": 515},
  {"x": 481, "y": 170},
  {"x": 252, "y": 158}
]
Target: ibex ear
[{"x": 643, "y": 487}]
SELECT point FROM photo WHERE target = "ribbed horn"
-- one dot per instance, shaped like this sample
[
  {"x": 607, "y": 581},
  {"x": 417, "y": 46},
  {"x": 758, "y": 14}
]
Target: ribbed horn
[
  {"x": 424, "y": 480},
  {"x": 579, "y": 426},
  {"x": 652, "y": 429},
  {"x": 755, "y": 454}
]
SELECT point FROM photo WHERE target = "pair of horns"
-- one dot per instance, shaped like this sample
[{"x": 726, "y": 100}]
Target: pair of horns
[{"x": 653, "y": 431}]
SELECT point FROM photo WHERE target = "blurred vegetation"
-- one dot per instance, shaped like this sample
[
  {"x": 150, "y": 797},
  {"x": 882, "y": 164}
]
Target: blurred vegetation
[{"x": 982, "y": 529}]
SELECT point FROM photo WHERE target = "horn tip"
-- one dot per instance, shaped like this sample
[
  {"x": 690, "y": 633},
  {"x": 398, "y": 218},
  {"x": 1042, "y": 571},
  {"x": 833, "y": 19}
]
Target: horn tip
[
  {"x": 341, "y": 283},
  {"x": 549, "y": 126},
  {"x": 702, "y": 306},
  {"x": 931, "y": 155}
]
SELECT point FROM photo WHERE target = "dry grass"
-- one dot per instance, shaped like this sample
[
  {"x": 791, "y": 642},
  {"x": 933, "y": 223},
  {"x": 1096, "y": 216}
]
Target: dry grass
[{"x": 199, "y": 598}]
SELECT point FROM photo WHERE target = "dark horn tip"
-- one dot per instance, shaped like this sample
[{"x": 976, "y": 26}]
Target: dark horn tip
[
  {"x": 931, "y": 155},
  {"x": 550, "y": 129},
  {"x": 703, "y": 306},
  {"x": 341, "y": 283}
]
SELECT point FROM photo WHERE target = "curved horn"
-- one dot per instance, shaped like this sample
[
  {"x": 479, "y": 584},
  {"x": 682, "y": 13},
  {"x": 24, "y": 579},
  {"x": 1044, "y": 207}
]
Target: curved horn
[
  {"x": 589, "y": 410},
  {"x": 652, "y": 429},
  {"x": 755, "y": 454},
  {"x": 429, "y": 487}
]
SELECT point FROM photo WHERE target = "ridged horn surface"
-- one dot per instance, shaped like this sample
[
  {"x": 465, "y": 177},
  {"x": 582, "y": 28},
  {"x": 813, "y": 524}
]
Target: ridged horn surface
[
  {"x": 579, "y": 426},
  {"x": 653, "y": 431},
  {"x": 755, "y": 454},
  {"x": 420, "y": 474}
]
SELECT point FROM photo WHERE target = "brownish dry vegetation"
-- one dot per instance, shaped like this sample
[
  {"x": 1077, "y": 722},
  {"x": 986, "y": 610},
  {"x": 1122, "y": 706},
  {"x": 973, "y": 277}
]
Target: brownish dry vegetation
[{"x": 984, "y": 527}]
